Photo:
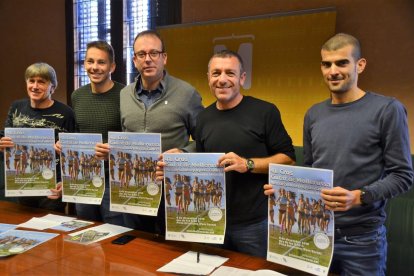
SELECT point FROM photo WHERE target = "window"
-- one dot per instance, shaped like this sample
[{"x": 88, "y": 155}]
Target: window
[
  {"x": 136, "y": 19},
  {"x": 92, "y": 21},
  {"x": 117, "y": 22}
]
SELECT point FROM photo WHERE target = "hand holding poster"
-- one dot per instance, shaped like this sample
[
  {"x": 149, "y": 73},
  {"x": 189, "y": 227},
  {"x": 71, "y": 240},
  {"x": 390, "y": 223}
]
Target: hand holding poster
[
  {"x": 195, "y": 197},
  {"x": 83, "y": 175},
  {"x": 132, "y": 162},
  {"x": 30, "y": 166},
  {"x": 300, "y": 228}
]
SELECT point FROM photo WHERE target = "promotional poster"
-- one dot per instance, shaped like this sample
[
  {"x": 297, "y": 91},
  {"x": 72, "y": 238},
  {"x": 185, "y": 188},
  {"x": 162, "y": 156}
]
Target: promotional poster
[
  {"x": 83, "y": 175},
  {"x": 132, "y": 163},
  {"x": 301, "y": 229},
  {"x": 30, "y": 166},
  {"x": 14, "y": 242},
  {"x": 195, "y": 197}
]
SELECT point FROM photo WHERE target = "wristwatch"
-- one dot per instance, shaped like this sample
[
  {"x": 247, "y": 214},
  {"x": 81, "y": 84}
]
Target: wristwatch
[
  {"x": 249, "y": 165},
  {"x": 365, "y": 197}
]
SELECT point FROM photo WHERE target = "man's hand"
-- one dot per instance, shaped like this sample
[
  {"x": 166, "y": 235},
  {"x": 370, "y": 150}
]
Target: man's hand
[
  {"x": 102, "y": 151},
  {"x": 56, "y": 193},
  {"x": 268, "y": 189},
  {"x": 174, "y": 150},
  {"x": 159, "y": 173},
  {"x": 233, "y": 162},
  {"x": 58, "y": 147},
  {"x": 6, "y": 142},
  {"x": 340, "y": 199}
]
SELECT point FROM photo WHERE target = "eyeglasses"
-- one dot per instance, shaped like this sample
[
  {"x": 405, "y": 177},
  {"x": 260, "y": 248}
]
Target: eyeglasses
[{"x": 154, "y": 55}]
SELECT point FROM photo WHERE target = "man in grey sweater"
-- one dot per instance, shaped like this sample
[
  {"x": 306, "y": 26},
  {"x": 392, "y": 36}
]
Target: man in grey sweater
[
  {"x": 363, "y": 137},
  {"x": 157, "y": 103}
]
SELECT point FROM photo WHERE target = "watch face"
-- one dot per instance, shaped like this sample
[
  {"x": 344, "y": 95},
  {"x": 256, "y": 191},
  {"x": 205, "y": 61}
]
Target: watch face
[
  {"x": 366, "y": 197},
  {"x": 250, "y": 164}
]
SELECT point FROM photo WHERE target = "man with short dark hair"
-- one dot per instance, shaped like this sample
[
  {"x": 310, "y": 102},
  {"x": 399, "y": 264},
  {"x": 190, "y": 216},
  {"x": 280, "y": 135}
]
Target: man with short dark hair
[
  {"x": 251, "y": 133},
  {"x": 363, "y": 137},
  {"x": 96, "y": 107}
]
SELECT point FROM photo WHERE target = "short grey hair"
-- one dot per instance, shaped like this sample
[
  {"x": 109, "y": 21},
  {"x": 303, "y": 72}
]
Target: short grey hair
[{"x": 43, "y": 70}]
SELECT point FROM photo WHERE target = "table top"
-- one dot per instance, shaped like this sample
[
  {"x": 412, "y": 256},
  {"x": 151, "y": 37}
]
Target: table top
[{"x": 142, "y": 256}]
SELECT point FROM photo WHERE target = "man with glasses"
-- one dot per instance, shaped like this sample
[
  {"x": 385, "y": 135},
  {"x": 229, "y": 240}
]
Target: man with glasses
[{"x": 157, "y": 103}]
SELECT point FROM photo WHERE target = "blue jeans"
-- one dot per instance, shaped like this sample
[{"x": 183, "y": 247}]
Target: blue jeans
[
  {"x": 361, "y": 255},
  {"x": 99, "y": 212},
  {"x": 249, "y": 239}
]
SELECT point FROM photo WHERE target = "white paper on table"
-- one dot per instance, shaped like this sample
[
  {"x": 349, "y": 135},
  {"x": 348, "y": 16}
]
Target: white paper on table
[
  {"x": 187, "y": 264},
  {"x": 232, "y": 271},
  {"x": 57, "y": 218},
  {"x": 38, "y": 223}
]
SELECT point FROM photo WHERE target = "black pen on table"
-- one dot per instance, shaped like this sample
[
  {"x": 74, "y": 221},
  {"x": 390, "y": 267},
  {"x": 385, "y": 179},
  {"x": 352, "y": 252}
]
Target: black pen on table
[{"x": 198, "y": 256}]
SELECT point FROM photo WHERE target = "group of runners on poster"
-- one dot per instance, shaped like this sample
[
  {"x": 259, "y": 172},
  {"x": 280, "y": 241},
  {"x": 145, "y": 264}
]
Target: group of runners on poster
[
  {"x": 79, "y": 165},
  {"x": 308, "y": 215},
  {"x": 11, "y": 242},
  {"x": 202, "y": 193},
  {"x": 129, "y": 168},
  {"x": 27, "y": 159}
]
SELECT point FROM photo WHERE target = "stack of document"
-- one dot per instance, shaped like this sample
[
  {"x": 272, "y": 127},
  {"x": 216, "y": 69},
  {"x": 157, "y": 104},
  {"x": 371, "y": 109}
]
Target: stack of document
[{"x": 55, "y": 222}]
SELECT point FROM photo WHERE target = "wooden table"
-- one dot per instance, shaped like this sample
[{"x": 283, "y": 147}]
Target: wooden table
[{"x": 142, "y": 256}]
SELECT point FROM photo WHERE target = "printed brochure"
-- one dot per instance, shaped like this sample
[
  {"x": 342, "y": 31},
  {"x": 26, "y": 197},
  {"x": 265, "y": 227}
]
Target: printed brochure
[
  {"x": 132, "y": 162},
  {"x": 301, "y": 230},
  {"x": 195, "y": 197},
  {"x": 30, "y": 166},
  {"x": 83, "y": 175}
]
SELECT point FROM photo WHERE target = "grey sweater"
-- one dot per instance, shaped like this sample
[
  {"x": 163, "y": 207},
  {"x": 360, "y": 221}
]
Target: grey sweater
[
  {"x": 173, "y": 114},
  {"x": 366, "y": 143}
]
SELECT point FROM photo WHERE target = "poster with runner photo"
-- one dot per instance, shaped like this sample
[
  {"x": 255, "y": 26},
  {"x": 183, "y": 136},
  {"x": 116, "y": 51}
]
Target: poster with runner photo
[
  {"x": 195, "y": 197},
  {"x": 30, "y": 166},
  {"x": 132, "y": 163},
  {"x": 96, "y": 233},
  {"x": 83, "y": 175},
  {"x": 301, "y": 229},
  {"x": 14, "y": 242}
]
